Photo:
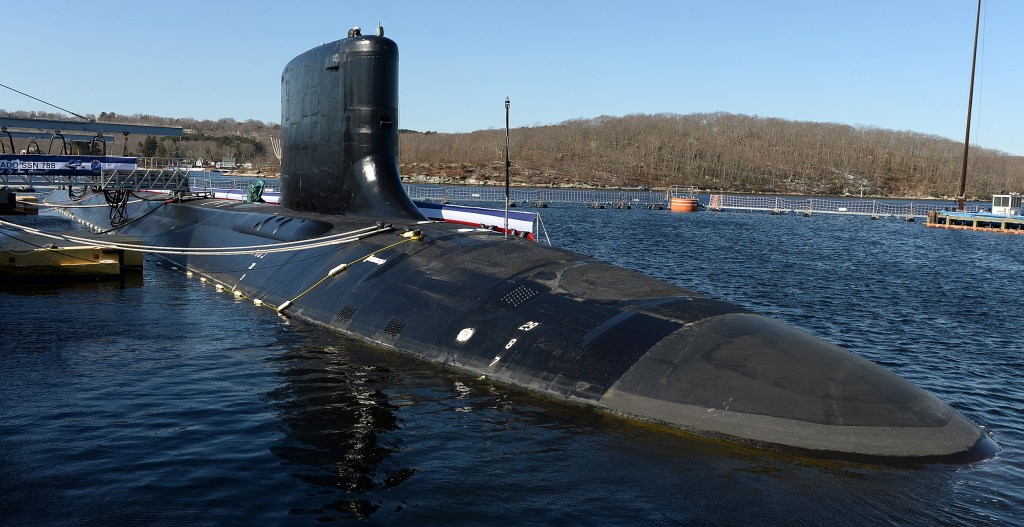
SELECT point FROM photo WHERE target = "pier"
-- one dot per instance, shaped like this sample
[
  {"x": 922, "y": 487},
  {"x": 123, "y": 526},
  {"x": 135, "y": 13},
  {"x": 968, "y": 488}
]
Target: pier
[
  {"x": 660, "y": 199},
  {"x": 1004, "y": 216},
  {"x": 27, "y": 255}
]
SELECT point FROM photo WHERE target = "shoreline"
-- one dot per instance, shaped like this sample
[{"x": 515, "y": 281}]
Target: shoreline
[{"x": 425, "y": 179}]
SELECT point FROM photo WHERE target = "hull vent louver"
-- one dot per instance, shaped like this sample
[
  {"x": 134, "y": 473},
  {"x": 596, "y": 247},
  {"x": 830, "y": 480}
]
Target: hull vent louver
[
  {"x": 519, "y": 295},
  {"x": 345, "y": 314},
  {"x": 394, "y": 327}
]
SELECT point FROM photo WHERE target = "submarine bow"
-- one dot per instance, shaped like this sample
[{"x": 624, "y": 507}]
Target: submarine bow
[{"x": 549, "y": 320}]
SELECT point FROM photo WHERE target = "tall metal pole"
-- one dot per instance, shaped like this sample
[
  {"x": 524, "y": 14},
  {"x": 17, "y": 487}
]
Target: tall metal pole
[
  {"x": 508, "y": 164},
  {"x": 961, "y": 196}
]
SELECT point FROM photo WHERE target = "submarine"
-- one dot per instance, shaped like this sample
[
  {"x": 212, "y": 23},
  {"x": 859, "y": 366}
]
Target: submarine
[{"x": 348, "y": 250}]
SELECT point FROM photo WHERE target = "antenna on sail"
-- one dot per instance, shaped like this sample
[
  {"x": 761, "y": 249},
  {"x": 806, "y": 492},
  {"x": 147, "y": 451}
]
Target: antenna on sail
[{"x": 507, "y": 165}]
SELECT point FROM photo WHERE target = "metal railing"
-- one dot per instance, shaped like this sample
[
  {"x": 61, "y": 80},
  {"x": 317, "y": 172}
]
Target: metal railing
[
  {"x": 210, "y": 180},
  {"x": 464, "y": 194},
  {"x": 782, "y": 204},
  {"x": 151, "y": 173}
]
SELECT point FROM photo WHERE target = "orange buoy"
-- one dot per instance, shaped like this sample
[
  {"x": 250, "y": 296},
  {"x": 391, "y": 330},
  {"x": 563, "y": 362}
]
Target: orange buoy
[{"x": 683, "y": 205}]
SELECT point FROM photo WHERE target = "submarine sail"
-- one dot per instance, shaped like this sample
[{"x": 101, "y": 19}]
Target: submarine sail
[
  {"x": 349, "y": 251},
  {"x": 339, "y": 130}
]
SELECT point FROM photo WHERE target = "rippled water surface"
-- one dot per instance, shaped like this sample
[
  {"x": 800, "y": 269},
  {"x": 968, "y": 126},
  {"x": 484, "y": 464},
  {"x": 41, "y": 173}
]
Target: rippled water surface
[{"x": 167, "y": 403}]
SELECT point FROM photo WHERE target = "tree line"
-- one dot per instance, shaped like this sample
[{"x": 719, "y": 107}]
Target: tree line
[
  {"x": 717, "y": 151},
  {"x": 207, "y": 147},
  {"x": 712, "y": 151}
]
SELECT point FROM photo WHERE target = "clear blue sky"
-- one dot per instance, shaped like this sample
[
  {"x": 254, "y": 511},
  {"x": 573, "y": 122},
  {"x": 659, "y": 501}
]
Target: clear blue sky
[{"x": 899, "y": 64}]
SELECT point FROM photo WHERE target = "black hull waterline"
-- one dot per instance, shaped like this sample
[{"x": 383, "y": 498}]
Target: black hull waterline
[{"x": 548, "y": 320}]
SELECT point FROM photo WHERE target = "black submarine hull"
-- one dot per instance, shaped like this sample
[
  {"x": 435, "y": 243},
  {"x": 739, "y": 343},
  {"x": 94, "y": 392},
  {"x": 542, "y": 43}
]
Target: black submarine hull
[
  {"x": 564, "y": 325},
  {"x": 348, "y": 250}
]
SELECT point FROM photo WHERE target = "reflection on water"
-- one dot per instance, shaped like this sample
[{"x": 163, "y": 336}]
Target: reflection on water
[
  {"x": 50, "y": 286},
  {"x": 335, "y": 421}
]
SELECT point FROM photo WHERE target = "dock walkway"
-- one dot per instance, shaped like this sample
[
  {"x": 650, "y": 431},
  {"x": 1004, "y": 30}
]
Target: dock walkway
[{"x": 781, "y": 205}]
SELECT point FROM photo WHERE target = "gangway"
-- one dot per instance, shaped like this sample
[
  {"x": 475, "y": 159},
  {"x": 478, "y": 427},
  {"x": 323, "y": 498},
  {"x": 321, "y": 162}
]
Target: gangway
[
  {"x": 165, "y": 175},
  {"x": 97, "y": 172},
  {"x": 89, "y": 164}
]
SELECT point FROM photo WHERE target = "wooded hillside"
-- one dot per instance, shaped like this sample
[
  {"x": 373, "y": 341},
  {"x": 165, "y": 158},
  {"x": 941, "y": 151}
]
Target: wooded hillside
[{"x": 718, "y": 151}]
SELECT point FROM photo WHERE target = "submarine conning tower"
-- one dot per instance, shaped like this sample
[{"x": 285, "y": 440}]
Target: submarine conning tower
[{"x": 339, "y": 130}]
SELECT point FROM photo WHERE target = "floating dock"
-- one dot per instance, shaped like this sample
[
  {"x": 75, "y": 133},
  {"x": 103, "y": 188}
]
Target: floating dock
[
  {"x": 976, "y": 221},
  {"x": 808, "y": 206},
  {"x": 1004, "y": 216},
  {"x": 28, "y": 256}
]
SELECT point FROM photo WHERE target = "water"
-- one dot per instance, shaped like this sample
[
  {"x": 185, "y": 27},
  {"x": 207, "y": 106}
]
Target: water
[{"x": 166, "y": 403}]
